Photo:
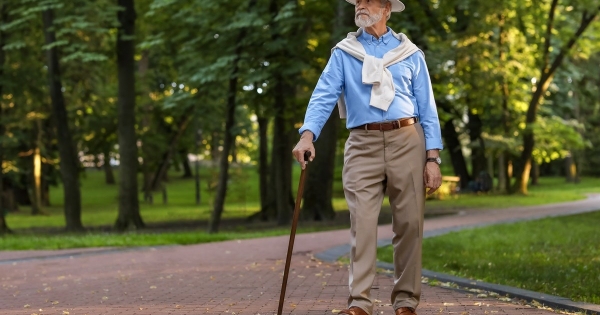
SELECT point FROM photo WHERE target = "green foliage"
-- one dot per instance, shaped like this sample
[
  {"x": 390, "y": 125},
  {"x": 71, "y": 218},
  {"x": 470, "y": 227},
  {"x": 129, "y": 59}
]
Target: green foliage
[
  {"x": 484, "y": 58},
  {"x": 557, "y": 256}
]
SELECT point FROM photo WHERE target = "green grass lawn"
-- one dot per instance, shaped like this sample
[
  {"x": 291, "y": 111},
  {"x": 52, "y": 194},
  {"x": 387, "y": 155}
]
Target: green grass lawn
[
  {"x": 549, "y": 190},
  {"x": 99, "y": 200},
  {"x": 559, "y": 256},
  {"x": 99, "y": 208},
  {"x": 133, "y": 239}
]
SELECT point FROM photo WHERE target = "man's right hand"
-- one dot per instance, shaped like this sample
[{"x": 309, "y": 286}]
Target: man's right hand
[{"x": 305, "y": 144}]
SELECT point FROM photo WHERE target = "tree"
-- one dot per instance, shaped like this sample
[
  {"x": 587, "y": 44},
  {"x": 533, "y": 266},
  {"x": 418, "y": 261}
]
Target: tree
[
  {"x": 318, "y": 194},
  {"x": 228, "y": 143},
  {"x": 3, "y": 209},
  {"x": 69, "y": 166},
  {"x": 129, "y": 208},
  {"x": 548, "y": 67}
]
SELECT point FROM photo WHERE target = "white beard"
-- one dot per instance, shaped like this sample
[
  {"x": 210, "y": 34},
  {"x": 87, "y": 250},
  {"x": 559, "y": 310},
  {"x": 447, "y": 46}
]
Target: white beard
[{"x": 368, "y": 21}]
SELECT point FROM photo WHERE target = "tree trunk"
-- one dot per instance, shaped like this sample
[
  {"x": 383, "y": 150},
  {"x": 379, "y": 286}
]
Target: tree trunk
[
  {"x": 233, "y": 154},
  {"x": 502, "y": 176},
  {"x": 36, "y": 175},
  {"x": 161, "y": 172},
  {"x": 263, "y": 165},
  {"x": 129, "y": 207},
  {"x": 318, "y": 194},
  {"x": 215, "y": 144},
  {"x": 535, "y": 174},
  {"x": 198, "y": 141},
  {"x": 3, "y": 203},
  {"x": 478, "y": 160},
  {"x": 490, "y": 169},
  {"x": 146, "y": 127},
  {"x": 109, "y": 176},
  {"x": 281, "y": 178},
  {"x": 20, "y": 191},
  {"x": 229, "y": 141},
  {"x": 185, "y": 161},
  {"x": 570, "y": 169},
  {"x": 503, "y": 158},
  {"x": 215, "y": 218},
  {"x": 69, "y": 165},
  {"x": 456, "y": 155},
  {"x": 46, "y": 173}
]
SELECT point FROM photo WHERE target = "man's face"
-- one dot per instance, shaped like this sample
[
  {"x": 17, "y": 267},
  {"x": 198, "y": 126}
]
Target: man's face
[{"x": 368, "y": 12}]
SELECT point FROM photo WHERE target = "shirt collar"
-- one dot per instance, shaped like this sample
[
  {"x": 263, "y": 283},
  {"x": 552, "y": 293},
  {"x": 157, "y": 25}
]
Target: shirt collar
[{"x": 372, "y": 40}]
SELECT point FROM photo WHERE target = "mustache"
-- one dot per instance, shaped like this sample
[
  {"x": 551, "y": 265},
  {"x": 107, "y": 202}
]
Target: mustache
[{"x": 362, "y": 11}]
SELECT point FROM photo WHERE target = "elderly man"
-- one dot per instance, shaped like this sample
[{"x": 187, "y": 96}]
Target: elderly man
[{"x": 381, "y": 84}]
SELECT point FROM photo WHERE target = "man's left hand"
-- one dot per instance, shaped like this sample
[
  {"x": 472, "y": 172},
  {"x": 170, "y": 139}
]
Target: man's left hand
[{"x": 432, "y": 177}]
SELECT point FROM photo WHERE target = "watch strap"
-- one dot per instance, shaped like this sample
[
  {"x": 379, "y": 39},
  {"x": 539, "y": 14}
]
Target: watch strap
[{"x": 434, "y": 160}]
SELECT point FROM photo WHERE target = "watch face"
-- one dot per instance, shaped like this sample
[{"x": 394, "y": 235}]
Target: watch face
[{"x": 438, "y": 160}]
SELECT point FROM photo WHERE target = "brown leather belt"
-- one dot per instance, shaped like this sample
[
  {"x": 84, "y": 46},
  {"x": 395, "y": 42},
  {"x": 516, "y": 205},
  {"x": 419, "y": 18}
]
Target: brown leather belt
[{"x": 388, "y": 125}]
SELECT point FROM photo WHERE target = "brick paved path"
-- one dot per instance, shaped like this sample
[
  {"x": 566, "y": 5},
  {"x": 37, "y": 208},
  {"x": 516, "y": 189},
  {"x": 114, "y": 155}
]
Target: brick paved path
[{"x": 235, "y": 277}]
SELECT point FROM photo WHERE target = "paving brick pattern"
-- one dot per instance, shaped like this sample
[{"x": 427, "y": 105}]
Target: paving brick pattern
[{"x": 227, "y": 278}]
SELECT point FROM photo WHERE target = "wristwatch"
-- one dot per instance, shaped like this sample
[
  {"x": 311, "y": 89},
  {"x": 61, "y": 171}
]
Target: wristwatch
[{"x": 436, "y": 160}]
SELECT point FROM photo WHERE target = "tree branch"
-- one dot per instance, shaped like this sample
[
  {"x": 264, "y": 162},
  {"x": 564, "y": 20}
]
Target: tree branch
[
  {"x": 548, "y": 36},
  {"x": 585, "y": 22}
]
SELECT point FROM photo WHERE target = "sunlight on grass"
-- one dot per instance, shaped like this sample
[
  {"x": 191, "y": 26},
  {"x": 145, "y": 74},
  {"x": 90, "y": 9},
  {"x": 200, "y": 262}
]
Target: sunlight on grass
[
  {"x": 558, "y": 256},
  {"x": 100, "y": 201}
]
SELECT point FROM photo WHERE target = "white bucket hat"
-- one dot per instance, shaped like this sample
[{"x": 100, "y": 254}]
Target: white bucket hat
[{"x": 397, "y": 6}]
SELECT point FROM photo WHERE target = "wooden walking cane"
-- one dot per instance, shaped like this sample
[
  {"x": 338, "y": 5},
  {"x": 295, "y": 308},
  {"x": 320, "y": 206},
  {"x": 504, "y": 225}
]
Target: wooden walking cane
[{"x": 288, "y": 258}]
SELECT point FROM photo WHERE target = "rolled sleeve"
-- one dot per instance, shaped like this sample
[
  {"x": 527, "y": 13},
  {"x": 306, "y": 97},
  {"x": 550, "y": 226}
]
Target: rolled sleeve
[
  {"x": 324, "y": 96},
  {"x": 427, "y": 109}
]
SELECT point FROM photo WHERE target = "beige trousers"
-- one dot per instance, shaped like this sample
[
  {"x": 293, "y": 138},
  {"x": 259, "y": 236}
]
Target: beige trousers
[{"x": 376, "y": 162}]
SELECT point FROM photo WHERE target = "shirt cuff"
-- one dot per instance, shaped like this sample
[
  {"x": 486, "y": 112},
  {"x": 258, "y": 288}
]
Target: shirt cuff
[{"x": 433, "y": 144}]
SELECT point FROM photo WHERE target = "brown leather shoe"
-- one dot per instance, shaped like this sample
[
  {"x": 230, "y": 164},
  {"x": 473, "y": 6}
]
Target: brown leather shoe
[
  {"x": 405, "y": 311},
  {"x": 353, "y": 311}
]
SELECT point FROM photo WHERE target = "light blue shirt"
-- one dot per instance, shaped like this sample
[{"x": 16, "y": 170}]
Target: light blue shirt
[{"x": 414, "y": 94}]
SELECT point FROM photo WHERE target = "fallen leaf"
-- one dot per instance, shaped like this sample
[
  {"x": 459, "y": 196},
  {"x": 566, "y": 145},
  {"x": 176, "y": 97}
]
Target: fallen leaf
[
  {"x": 177, "y": 306},
  {"x": 26, "y": 306},
  {"x": 482, "y": 295},
  {"x": 505, "y": 299},
  {"x": 334, "y": 311},
  {"x": 54, "y": 302},
  {"x": 104, "y": 298},
  {"x": 153, "y": 287},
  {"x": 448, "y": 304},
  {"x": 65, "y": 313}
]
